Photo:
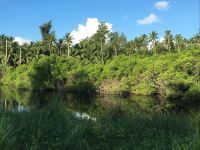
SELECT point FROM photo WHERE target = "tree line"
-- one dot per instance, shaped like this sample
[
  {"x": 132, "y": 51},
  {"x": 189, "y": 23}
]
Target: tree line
[{"x": 102, "y": 46}]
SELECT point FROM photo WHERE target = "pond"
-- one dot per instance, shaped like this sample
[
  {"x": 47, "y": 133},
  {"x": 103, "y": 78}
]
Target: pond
[{"x": 12, "y": 99}]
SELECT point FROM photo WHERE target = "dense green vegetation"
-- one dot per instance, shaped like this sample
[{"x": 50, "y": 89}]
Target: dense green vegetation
[{"x": 175, "y": 76}]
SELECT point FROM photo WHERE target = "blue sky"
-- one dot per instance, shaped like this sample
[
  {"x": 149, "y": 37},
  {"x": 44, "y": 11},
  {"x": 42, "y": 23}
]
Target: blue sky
[{"x": 22, "y": 17}]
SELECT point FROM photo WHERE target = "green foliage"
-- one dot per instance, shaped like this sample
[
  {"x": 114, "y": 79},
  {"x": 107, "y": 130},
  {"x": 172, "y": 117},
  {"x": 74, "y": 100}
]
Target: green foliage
[
  {"x": 173, "y": 76},
  {"x": 119, "y": 67}
]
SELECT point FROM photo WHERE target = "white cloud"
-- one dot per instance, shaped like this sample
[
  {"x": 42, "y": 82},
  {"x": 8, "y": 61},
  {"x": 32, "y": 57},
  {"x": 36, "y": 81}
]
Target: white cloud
[
  {"x": 22, "y": 41},
  {"x": 152, "y": 18},
  {"x": 162, "y": 5},
  {"x": 162, "y": 39},
  {"x": 149, "y": 45},
  {"x": 87, "y": 30}
]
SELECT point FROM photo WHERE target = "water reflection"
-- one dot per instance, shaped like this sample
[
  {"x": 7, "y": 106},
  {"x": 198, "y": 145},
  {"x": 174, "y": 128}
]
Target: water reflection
[
  {"x": 10, "y": 98},
  {"x": 84, "y": 116},
  {"x": 13, "y": 105},
  {"x": 82, "y": 105}
]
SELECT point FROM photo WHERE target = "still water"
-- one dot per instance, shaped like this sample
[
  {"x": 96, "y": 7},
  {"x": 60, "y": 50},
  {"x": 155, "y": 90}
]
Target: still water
[{"x": 83, "y": 106}]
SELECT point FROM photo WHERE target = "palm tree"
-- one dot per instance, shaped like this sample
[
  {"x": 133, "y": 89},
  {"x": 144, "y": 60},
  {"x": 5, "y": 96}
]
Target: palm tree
[
  {"x": 178, "y": 41},
  {"x": 196, "y": 39},
  {"x": 6, "y": 55},
  {"x": 8, "y": 49},
  {"x": 168, "y": 40},
  {"x": 48, "y": 36},
  {"x": 68, "y": 41},
  {"x": 141, "y": 43},
  {"x": 153, "y": 37},
  {"x": 20, "y": 55},
  {"x": 122, "y": 42},
  {"x": 59, "y": 45},
  {"x": 137, "y": 44},
  {"x": 144, "y": 41},
  {"x": 45, "y": 29},
  {"x": 130, "y": 48},
  {"x": 51, "y": 39},
  {"x": 115, "y": 42}
]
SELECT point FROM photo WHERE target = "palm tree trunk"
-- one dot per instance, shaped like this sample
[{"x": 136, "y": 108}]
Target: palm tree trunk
[
  {"x": 68, "y": 51},
  {"x": 178, "y": 48},
  {"x": 20, "y": 55},
  {"x": 50, "y": 48},
  {"x": 169, "y": 47},
  {"x": 6, "y": 52},
  {"x": 115, "y": 51},
  {"x": 101, "y": 51}
]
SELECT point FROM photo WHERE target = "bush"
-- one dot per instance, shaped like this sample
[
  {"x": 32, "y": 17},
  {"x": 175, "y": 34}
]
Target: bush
[{"x": 175, "y": 76}]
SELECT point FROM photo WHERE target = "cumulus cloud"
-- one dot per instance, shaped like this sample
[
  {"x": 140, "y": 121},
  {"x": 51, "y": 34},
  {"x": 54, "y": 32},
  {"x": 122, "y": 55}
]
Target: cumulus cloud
[
  {"x": 162, "y": 39},
  {"x": 87, "y": 30},
  {"x": 162, "y": 5},
  {"x": 152, "y": 18},
  {"x": 22, "y": 41}
]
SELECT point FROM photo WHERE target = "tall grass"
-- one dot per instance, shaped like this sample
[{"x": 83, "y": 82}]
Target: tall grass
[
  {"x": 54, "y": 128},
  {"x": 6, "y": 131},
  {"x": 194, "y": 143}
]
